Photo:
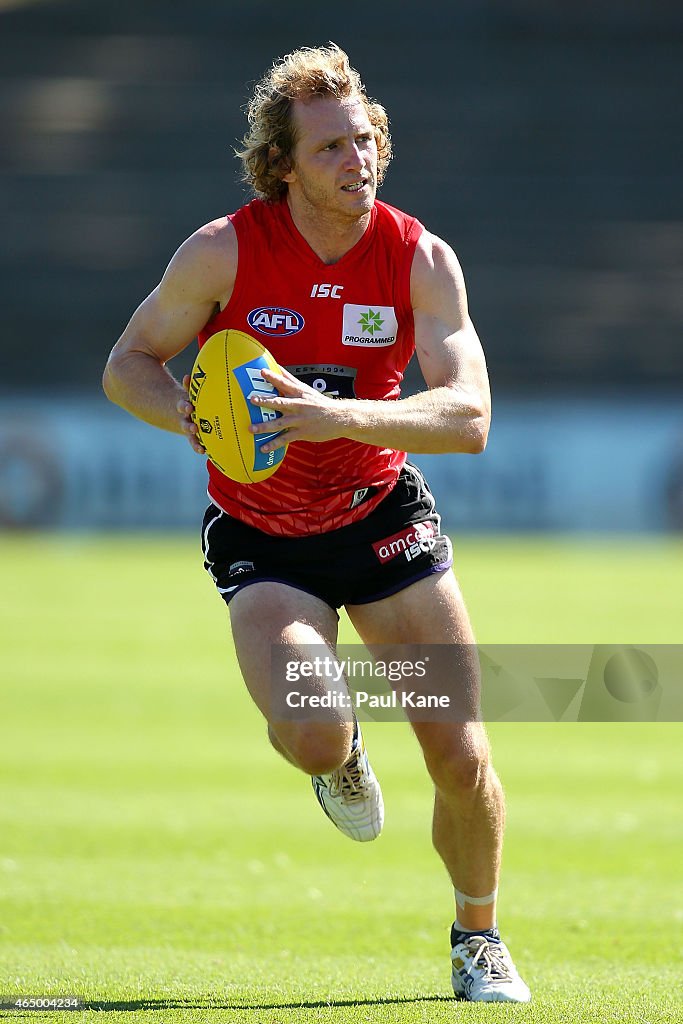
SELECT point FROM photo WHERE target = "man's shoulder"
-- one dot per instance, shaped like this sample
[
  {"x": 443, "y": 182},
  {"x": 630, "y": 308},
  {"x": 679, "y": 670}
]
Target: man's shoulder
[
  {"x": 215, "y": 233},
  {"x": 206, "y": 262},
  {"x": 215, "y": 240},
  {"x": 432, "y": 251},
  {"x": 435, "y": 268}
]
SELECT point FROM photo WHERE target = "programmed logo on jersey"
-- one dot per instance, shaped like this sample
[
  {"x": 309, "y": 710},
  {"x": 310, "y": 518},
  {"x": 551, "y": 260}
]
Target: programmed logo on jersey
[
  {"x": 369, "y": 326},
  {"x": 275, "y": 321}
]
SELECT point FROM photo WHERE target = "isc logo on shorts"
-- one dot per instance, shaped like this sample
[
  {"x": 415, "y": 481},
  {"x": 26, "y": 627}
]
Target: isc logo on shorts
[
  {"x": 275, "y": 321},
  {"x": 410, "y": 542}
]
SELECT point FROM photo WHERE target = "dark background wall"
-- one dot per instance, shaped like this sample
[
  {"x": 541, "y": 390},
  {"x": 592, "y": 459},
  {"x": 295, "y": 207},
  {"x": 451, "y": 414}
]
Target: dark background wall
[{"x": 542, "y": 139}]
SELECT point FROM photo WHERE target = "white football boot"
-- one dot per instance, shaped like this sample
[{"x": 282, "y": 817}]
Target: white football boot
[
  {"x": 483, "y": 971},
  {"x": 351, "y": 796}
]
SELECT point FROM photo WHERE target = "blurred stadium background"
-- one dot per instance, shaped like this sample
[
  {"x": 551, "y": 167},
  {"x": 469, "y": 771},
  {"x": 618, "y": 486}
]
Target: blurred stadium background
[{"x": 542, "y": 139}]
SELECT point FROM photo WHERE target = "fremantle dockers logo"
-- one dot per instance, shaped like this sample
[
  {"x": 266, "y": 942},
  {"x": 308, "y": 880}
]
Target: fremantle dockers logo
[{"x": 237, "y": 568}]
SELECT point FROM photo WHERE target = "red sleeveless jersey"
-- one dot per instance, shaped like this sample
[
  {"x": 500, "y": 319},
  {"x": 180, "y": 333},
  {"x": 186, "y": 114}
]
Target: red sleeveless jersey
[{"x": 346, "y": 329}]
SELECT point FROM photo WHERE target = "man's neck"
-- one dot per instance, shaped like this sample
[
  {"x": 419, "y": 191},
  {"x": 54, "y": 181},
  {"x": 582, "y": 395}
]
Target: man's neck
[{"x": 330, "y": 237}]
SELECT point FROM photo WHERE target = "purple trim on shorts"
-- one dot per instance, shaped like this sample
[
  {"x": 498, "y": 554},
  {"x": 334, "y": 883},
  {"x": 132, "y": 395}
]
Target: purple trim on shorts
[
  {"x": 439, "y": 567},
  {"x": 274, "y": 579}
]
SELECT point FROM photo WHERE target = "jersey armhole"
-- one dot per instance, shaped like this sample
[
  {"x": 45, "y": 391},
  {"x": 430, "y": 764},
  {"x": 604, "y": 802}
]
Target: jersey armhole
[
  {"x": 410, "y": 241},
  {"x": 243, "y": 254},
  {"x": 214, "y": 324}
]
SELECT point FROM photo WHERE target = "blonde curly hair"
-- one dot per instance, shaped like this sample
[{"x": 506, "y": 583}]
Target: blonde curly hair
[{"x": 267, "y": 147}]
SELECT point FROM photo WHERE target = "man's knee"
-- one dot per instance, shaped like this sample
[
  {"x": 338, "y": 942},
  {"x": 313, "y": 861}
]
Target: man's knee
[
  {"x": 458, "y": 761},
  {"x": 314, "y": 747}
]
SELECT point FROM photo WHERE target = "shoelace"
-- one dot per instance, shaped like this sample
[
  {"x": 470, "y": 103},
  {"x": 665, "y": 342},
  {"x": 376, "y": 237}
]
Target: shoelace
[
  {"x": 348, "y": 781},
  {"x": 489, "y": 957}
]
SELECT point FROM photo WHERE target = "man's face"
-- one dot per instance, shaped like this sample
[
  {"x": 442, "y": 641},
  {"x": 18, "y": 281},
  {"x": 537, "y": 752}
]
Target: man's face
[{"x": 334, "y": 168}]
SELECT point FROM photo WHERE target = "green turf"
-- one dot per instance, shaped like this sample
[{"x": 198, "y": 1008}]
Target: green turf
[{"x": 159, "y": 861}]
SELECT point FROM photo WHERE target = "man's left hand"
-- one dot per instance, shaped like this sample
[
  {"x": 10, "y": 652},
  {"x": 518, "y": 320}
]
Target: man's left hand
[{"x": 306, "y": 414}]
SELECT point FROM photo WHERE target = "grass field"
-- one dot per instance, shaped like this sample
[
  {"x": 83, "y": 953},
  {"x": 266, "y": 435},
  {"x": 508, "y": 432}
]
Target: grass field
[{"x": 158, "y": 860}]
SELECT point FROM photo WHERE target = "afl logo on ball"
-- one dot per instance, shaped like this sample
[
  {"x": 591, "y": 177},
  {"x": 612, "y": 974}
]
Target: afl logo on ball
[{"x": 275, "y": 321}]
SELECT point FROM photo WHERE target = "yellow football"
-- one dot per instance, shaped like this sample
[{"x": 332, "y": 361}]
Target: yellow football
[{"x": 226, "y": 373}]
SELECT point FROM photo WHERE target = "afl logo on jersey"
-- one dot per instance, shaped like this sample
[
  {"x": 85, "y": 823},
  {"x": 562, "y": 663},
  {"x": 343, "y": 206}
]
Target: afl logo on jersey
[{"x": 275, "y": 321}]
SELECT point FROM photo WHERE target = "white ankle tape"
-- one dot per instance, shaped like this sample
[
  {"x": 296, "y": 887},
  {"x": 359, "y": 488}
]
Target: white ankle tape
[{"x": 461, "y": 898}]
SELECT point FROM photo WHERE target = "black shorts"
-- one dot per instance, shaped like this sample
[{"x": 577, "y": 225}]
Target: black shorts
[{"x": 398, "y": 543}]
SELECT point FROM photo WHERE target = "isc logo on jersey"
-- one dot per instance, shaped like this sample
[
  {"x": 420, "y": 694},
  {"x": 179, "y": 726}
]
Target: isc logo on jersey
[{"x": 275, "y": 321}]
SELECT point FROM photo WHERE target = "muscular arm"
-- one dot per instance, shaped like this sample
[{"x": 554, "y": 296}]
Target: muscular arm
[
  {"x": 452, "y": 416},
  {"x": 200, "y": 276}
]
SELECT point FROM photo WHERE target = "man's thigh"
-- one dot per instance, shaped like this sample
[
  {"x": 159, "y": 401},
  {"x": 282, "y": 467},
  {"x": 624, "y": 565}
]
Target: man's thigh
[
  {"x": 285, "y": 642},
  {"x": 273, "y": 625},
  {"x": 430, "y": 611},
  {"x": 428, "y": 623}
]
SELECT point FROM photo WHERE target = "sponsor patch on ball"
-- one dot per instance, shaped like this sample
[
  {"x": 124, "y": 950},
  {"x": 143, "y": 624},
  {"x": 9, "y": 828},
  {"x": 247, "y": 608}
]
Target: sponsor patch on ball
[{"x": 251, "y": 382}]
